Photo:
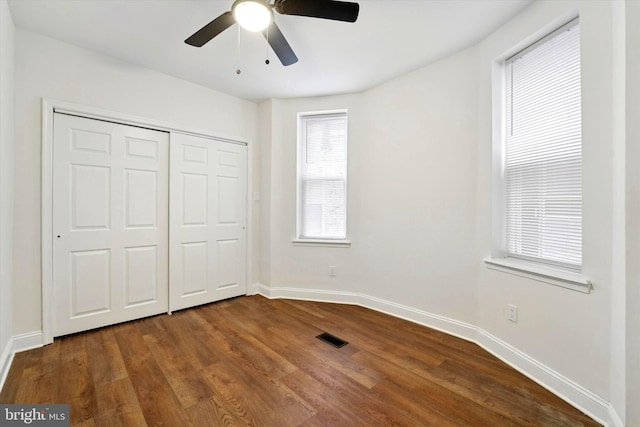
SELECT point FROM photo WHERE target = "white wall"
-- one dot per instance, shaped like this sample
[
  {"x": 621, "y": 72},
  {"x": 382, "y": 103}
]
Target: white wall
[
  {"x": 411, "y": 193},
  {"x": 420, "y": 207},
  {"x": 633, "y": 214},
  {"x": 264, "y": 191},
  {"x": 416, "y": 193},
  {"x": 563, "y": 329},
  {"x": 52, "y": 69},
  {"x": 7, "y": 33}
]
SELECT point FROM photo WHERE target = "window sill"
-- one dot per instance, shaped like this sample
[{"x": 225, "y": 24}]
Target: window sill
[
  {"x": 322, "y": 243},
  {"x": 565, "y": 279}
]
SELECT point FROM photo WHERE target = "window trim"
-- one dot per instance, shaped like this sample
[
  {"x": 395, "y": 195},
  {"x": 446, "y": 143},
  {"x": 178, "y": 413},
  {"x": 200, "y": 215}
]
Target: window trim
[
  {"x": 541, "y": 273},
  {"x": 300, "y": 240},
  {"x": 329, "y": 243},
  {"x": 499, "y": 260}
]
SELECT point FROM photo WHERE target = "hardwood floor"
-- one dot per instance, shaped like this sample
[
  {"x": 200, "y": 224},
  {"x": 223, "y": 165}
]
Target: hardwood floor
[{"x": 254, "y": 361}]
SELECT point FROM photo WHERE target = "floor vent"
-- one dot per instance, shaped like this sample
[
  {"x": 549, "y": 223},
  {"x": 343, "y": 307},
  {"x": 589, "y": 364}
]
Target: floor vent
[{"x": 330, "y": 339}]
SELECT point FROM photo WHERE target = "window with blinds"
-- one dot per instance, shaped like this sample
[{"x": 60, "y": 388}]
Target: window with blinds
[
  {"x": 543, "y": 151},
  {"x": 322, "y": 176}
]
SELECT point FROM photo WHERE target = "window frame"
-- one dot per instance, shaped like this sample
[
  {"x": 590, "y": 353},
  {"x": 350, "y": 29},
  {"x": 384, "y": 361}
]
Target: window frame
[
  {"x": 538, "y": 270},
  {"x": 301, "y": 240}
]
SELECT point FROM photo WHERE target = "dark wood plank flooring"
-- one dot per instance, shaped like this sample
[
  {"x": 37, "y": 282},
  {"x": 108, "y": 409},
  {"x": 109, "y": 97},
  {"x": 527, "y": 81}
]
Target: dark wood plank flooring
[{"x": 254, "y": 361}]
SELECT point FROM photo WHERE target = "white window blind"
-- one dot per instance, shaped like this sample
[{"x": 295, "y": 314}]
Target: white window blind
[
  {"x": 543, "y": 151},
  {"x": 322, "y": 181}
]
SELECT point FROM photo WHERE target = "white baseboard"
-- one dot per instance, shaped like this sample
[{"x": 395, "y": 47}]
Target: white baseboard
[
  {"x": 558, "y": 384},
  {"x": 563, "y": 387},
  {"x": 5, "y": 361},
  {"x": 453, "y": 327},
  {"x": 27, "y": 341},
  {"x": 16, "y": 344}
]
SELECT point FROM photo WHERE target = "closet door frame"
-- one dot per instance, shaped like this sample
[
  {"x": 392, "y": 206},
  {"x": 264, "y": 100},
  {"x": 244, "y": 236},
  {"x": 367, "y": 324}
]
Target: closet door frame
[{"x": 49, "y": 106}]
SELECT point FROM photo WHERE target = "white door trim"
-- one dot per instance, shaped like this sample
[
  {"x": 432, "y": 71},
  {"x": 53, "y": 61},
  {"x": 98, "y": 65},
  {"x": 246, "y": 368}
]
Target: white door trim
[{"x": 49, "y": 106}]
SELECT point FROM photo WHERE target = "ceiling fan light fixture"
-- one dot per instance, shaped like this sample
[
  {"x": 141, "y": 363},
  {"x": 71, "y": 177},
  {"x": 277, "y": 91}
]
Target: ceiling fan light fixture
[{"x": 252, "y": 15}]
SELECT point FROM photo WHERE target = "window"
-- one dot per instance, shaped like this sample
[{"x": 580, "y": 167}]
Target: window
[
  {"x": 543, "y": 152},
  {"x": 322, "y": 176}
]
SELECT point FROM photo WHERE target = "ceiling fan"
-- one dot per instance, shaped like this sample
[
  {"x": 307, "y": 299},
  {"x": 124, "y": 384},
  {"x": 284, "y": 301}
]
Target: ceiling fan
[{"x": 257, "y": 15}]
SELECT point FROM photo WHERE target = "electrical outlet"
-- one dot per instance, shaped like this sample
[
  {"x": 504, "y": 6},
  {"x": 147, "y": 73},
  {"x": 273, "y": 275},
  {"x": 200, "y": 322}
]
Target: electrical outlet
[
  {"x": 332, "y": 270},
  {"x": 512, "y": 313}
]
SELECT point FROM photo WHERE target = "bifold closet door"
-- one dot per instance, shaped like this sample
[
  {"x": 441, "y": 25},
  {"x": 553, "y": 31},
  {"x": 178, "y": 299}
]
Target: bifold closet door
[
  {"x": 208, "y": 188},
  {"x": 110, "y": 223}
]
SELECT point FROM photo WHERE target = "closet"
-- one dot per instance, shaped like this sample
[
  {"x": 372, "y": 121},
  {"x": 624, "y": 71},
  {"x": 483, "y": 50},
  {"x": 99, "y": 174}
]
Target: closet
[{"x": 144, "y": 222}]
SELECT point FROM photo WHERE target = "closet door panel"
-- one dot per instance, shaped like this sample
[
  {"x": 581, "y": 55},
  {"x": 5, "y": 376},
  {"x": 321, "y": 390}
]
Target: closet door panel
[
  {"x": 208, "y": 220},
  {"x": 110, "y": 222}
]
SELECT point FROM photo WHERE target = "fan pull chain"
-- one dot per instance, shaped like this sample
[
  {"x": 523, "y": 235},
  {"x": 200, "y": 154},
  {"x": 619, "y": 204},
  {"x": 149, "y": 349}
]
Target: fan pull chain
[
  {"x": 238, "y": 70},
  {"x": 267, "y": 61}
]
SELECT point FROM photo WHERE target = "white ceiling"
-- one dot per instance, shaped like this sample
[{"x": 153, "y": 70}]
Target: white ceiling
[{"x": 391, "y": 37}]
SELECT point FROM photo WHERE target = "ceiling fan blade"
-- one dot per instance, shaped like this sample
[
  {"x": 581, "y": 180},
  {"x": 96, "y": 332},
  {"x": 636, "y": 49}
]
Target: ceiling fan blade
[
  {"x": 327, "y": 9},
  {"x": 212, "y": 29},
  {"x": 280, "y": 45}
]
